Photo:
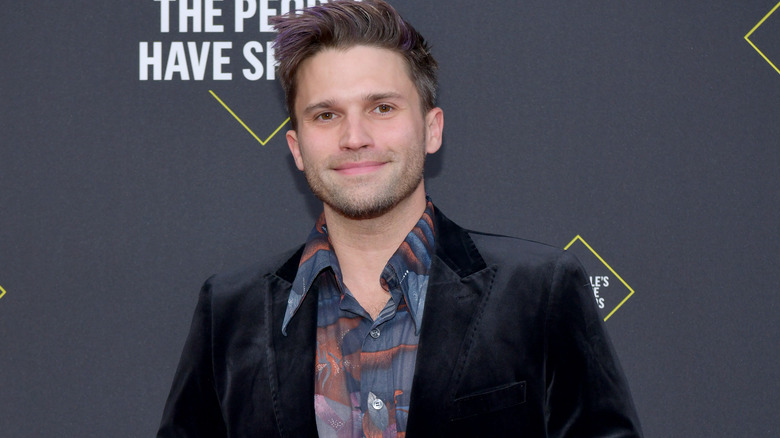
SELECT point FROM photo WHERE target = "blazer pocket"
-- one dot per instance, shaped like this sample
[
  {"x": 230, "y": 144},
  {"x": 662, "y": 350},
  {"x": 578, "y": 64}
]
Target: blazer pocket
[{"x": 489, "y": 400}]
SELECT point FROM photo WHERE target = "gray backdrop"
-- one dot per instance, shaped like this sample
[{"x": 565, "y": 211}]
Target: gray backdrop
[{"x": 647, "y": 128}]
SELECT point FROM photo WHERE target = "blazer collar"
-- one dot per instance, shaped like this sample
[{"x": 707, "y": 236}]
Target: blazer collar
[{"x": 455, "y": 247}]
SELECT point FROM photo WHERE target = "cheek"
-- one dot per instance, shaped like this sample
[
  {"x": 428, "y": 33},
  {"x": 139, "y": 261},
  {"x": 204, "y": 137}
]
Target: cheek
[
  {"x": 310, "y": 155},
  {"x": 406, "y": 132}
]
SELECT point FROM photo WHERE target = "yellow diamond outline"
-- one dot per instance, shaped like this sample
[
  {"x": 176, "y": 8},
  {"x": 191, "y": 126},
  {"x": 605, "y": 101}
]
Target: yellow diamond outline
[
  {"x": 576, "y": 238},
  {"x": 2, "y": 292},
  {"x": 244, "y": 124},
  {"x": 747, "y": 37}
]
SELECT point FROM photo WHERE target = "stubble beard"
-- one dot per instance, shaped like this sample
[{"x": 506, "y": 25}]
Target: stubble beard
[{"x": 359, "y": 200}]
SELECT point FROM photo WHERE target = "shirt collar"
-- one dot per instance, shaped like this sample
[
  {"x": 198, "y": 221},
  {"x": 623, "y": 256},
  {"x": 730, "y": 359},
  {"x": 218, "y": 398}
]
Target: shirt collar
[{"x": 407, "y": 269}]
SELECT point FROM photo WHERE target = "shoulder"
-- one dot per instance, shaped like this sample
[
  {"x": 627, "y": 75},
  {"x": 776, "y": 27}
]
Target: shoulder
[
  {"x": 504, "y": 250},
  {"x": 539, "y": 263},
  {"x": 550, "y": 278},
  {"x": 467, "y": 251},
  {"x": 500, "y": 248}
]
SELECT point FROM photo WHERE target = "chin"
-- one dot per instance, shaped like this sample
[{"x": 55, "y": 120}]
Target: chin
[{"x": 361, "y": 210}]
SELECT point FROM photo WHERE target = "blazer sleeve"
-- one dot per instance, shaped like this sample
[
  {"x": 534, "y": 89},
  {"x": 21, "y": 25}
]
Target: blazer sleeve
[
  {"x": 587, "y": 393},
  {"x": 192, "y": 409}
]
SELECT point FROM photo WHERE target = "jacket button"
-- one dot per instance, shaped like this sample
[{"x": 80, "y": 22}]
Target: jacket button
[{"x": 374, "y": 333}]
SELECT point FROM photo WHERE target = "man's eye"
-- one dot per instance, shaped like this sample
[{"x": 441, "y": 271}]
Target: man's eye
[
  {"x": 383, "y": 108},
  {"x": 325, "y": 116}
]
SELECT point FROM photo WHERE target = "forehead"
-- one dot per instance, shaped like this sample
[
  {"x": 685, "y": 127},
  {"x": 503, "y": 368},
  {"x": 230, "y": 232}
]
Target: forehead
[{"x": 359, "y": 70}]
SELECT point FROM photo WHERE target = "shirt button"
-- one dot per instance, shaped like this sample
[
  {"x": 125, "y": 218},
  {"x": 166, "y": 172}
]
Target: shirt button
[
  {"x": 374, "y": 333},
  {"x": 377, "y": 404}
]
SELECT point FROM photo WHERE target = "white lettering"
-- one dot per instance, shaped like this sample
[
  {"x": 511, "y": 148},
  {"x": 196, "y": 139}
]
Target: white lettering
[
  {"x": 221, "y": 60},
  {"x": 146, "y": 61},
  {"x": 242, "y": 14},
  {"x": 186, "y": 12},
  {"x": 165, "y": 15},
  {"x": 265, "y": 14},
  {"x": 211, "y": 13},
  {"x": 193, "y": 58},
  {"x": 256, "y": 72},
  {"x": 270, "y": 60},
  {"x": 600, "y": 280},
  {"x": 198, "y": 61},
  {"x": 190, "y": 60},
  {"x": 596, "y": 283},
  {"x": 177, "y": 62}
]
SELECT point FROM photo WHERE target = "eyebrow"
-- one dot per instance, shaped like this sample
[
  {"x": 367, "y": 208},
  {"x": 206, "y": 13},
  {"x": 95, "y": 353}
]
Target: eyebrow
[
  {"x": 328, "y": 103},
  {"x": 382, "y": 96}
]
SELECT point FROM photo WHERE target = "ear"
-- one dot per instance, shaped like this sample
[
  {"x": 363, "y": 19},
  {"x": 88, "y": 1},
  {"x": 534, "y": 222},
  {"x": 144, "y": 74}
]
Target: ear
[
  {"x": 295, "y": 148},
  {"x": 434, "y": 127}
]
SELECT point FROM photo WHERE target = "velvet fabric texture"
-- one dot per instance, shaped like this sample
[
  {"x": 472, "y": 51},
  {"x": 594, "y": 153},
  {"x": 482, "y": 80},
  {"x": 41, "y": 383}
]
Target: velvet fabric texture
[{"x": 511, "y": 345}]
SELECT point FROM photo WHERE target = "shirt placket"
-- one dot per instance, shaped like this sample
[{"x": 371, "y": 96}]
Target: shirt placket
[{"x": 376, "y": 382}]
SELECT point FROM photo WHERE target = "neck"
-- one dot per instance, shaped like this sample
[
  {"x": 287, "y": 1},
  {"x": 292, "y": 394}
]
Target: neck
[{"x": 363, "y": 246}]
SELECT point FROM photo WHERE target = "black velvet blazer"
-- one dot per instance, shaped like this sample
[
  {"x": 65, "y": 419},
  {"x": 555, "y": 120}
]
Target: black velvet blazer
[{"x": 511, "y": 345}]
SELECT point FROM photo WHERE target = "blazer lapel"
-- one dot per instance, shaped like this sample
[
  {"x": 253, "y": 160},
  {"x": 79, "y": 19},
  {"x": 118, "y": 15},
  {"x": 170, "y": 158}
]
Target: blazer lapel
[
  {"x": 459, "y": 285},
  {"x": 291, "y": 358}
]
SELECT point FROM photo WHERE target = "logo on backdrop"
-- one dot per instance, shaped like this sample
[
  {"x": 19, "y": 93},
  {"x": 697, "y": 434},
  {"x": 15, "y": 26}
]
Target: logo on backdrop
[
  {"x": 610, "y": 291},
  {"x": 238, "y": 119},
  {"x": 2, "y": 292},
  {"x": 216, "y": 40},
  {"x": 226, "y": 25},
  {"x": 766, "y": 31}
]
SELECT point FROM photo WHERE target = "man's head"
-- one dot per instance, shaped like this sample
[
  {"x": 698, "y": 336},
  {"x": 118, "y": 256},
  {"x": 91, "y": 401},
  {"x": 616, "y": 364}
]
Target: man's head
[
  {"x": 359, "y": 84},
  {"x": 345, "y": 24}
]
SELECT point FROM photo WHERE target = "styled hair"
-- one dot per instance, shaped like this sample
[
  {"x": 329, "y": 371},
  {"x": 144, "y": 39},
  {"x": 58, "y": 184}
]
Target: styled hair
[{"x": 343, "y": 24}]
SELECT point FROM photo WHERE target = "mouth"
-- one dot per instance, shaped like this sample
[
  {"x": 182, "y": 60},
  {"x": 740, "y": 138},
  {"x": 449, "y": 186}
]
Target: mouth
[{"x": 359, "y": 168}]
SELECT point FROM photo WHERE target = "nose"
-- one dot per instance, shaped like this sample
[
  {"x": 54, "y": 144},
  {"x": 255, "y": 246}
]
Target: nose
[{"x": 355, "y": 133}]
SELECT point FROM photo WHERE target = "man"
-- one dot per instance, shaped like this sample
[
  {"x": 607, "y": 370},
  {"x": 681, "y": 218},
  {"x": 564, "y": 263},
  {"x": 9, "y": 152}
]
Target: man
[{"x": 391, "y": 319}]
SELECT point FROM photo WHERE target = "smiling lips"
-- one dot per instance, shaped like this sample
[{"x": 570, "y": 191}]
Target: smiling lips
[{"x": 358, "y": 168}]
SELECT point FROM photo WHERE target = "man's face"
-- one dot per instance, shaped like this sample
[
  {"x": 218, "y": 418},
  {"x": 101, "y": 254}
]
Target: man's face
[{"x": 361, "y": 138}]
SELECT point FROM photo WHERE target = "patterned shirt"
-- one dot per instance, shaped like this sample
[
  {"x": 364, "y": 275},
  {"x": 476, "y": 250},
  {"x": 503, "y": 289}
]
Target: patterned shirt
[{"x": 364, "y": 367}]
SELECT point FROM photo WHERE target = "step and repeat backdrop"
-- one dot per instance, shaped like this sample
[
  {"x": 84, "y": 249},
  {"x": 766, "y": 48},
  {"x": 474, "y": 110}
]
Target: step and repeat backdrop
[{"x": 142, "y": 149}]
